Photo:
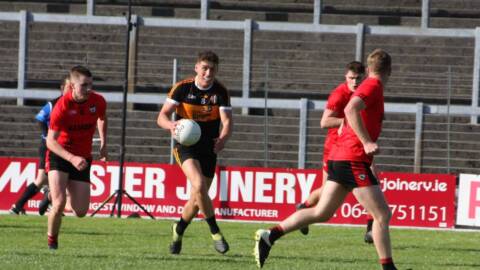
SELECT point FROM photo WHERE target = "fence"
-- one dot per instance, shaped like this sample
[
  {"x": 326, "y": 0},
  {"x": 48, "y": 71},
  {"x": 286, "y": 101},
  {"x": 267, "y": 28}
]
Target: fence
[{"x": 247, "y": 27}]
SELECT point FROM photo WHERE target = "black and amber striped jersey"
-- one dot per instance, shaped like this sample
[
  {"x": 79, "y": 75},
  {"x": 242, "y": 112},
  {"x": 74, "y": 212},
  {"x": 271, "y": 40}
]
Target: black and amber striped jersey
[{"x": 202, "y": 106}]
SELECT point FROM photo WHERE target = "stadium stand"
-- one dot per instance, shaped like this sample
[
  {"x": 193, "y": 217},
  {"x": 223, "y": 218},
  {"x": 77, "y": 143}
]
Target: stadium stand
[
  {"x": 286, "y": 64},
  {"x": 443, "y": 13}
]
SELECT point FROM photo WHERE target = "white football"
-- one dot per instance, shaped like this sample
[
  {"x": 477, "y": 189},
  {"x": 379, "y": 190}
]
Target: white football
[{"x": 187, "y": 132}]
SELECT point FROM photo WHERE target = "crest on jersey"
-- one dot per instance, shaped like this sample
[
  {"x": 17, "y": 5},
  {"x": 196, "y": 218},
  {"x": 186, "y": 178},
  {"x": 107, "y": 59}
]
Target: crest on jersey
[
  {"x": 204, "y": 100},
  {"x": 93, "y": 109}
]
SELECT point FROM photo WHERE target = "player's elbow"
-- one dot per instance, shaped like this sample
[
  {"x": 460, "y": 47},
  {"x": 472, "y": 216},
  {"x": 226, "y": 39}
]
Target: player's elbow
[
  {"x": 160, "y": 122},
  {"x": 163, "y": 119},
  {"x": 323, "y": 124},
  {"x": 49, "y": 142},
  {"x": 349, "y": 110}
]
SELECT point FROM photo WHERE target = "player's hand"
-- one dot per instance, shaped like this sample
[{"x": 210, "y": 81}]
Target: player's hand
[
  {"x": 173, "y": 128},
  {"x": 371, "y": 148},
  {"x": 219, "y": 145},
  {"x": 79, "y": 163},
  {"x": 103, "y": 153}
]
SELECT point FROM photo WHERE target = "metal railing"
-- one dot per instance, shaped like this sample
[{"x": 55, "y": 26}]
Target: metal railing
[
  {"x": 245, "y": 102},
  {"x": 248, "y": 27}
]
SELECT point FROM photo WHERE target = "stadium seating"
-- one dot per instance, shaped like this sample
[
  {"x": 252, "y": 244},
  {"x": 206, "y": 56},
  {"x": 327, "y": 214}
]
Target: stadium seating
[
  {"x": 295, "y": 65},
  {"x": 444, "y": 13},
  {"x": 147, "y": 143}
]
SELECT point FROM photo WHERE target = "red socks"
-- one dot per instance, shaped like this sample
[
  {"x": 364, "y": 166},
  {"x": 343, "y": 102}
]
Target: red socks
[
  {"x": 387, "y": 264},
  {"x": 275, "y": 233}
]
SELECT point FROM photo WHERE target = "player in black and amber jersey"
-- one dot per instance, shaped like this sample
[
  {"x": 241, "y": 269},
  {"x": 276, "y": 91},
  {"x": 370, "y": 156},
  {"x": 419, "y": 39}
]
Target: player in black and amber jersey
[{"x": 206, "y": 101}]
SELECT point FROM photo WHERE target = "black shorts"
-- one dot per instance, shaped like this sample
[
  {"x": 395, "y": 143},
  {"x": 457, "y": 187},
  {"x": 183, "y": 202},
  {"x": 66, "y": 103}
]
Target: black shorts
[
  {"x": 200, "y": 152},
  {"x": 42, "y": 152},
  {"x": 351, "y": 174},
  {"x": 57, "y": 163}
]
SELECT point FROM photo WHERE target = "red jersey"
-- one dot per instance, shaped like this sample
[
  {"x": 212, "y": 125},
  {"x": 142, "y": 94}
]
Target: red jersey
[
  {"x": 77, "y": 122},
  {"x": 349, "y": 146},
  {"x": 337, "y": 101}
]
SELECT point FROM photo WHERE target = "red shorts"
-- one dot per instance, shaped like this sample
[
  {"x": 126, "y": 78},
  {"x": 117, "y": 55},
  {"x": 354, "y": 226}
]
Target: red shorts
[{"x": 351, "y": 174}]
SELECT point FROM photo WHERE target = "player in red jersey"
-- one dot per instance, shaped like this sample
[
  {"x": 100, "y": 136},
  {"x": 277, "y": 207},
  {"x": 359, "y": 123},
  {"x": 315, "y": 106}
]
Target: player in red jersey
[
  {"x": 69, "y": 141},
  {"x": 207, "y": 102},
  {"x": 43, "y": 119},
  {"x": 349, "y": 168},
  {"x": 332, "y": 118}
]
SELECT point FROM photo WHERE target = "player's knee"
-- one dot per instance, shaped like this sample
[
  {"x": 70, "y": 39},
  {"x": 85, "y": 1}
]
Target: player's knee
[
  {"x": 383, "y": 217},
  {"x": 41, "y": 180},
  {"x": 80, "y": 212},
  {"x": 199, "y": 188},
  {"x": 57, "y": 207},
  {"x": 321, "y": 215}
]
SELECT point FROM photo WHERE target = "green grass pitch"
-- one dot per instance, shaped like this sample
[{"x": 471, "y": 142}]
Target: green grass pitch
[{"x": 111, "y": 243}]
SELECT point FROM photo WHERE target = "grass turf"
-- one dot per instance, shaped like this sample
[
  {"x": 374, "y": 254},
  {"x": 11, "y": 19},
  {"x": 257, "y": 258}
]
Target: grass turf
[{"x": 110, "y": 243}]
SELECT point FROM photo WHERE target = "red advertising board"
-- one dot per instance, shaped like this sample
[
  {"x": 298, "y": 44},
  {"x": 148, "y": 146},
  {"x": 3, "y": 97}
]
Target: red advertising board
[
  {"x": 416, "y": 200},
  {"x": 240, "y": 193}
]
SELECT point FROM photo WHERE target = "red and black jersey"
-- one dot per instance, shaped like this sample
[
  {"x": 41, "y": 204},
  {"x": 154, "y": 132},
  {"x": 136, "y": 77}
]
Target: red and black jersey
[
  {"x": 202, "y": 106},
  {"x": 77, "y": 122},
  {"x": 337, "y": 101},
  {"x": 348, "y": 146}
]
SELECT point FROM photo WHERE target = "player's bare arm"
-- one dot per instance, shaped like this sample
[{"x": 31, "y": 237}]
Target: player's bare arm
[
  {"x": 352, "y": 113},
  {"x": 78, "y": 162},
  {"x": 163, "y": 119},
  {"x": 102, "y": 132},
  {"x": 227, "y": 127},
  {"x": 330, "y": 119}
]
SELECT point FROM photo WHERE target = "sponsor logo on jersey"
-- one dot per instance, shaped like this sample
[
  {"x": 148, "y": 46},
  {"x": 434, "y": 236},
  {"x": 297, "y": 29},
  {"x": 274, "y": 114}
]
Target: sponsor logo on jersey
[{"x": 213, "y": 99}]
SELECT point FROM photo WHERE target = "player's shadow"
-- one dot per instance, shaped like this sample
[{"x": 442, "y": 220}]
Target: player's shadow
[
  {"x": 321, "y": 259},
  {"x": 90, "y": 233},
  {"x": 196, "y": 258},
  {"x": 438, "y": 248},
  {"x": 456, "y": 249},
  {"x": 458, "y": 265}
]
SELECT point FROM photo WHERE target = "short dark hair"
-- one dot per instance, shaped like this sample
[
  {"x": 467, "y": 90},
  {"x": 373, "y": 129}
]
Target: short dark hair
[
  {"x": 65, "y": 80},
  {"x": 356, "y": 67},
  {"x": 208, "y": 56},
  {"x": 76, "y": 70}
]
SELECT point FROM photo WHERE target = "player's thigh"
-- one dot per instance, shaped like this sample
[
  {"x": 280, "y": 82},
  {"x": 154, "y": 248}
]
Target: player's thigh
[
  {"x": 79, "y": 196},
  {"x": 191, "y": 168},
  {"x": 58, "y": 181},
  {"x": 333, "y": 195},
  {"x": 324, "y": 177},
  {"x": 373, "y": 200},
  {"x": 193, "y": 171}
]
